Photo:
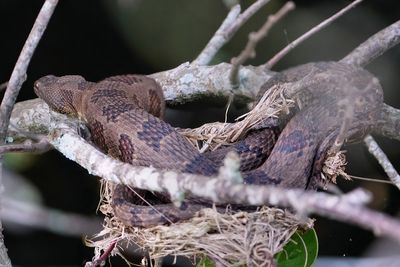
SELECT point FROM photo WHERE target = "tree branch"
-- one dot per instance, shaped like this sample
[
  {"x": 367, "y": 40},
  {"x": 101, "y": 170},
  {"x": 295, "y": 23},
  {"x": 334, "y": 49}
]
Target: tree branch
[
  {"x": 218, "y": 39},
  {"x": 18, "y": 75},
  {"x": 15, "y": 82},
  {"x": 227, "y": 30},
  {"x": 188, "y": 82},
  {"x": 383, "y": 160}
]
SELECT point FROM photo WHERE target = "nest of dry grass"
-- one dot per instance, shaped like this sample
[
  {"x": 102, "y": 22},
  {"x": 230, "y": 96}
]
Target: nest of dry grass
[
  {"x": 230, "y": 238},
  {"x": 233, "y": 237}
]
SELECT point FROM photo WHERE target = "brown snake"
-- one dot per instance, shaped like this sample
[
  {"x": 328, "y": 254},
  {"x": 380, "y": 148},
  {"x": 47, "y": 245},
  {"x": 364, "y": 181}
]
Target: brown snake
[{"x": 122, "y": 115}]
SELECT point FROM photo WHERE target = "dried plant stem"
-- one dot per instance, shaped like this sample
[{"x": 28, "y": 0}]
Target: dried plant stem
[
  {"x": 254, "y": 37},
  {"x": 374, "y": 180},
  {"x": 383, "y": 160},
  {"x": 227, "y": 30},
  {"x": 103, "y": 257},
  {"x": 308, "y": 34}
]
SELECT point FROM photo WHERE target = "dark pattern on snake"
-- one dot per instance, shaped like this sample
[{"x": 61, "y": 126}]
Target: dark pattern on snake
[{"x": 134, "y": 134}]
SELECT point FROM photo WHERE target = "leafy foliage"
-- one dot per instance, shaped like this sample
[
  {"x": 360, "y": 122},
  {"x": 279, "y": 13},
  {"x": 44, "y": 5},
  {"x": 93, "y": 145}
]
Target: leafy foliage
[
  {"x": 301, "y": 250},
  {"x": 205, "y": 262}
]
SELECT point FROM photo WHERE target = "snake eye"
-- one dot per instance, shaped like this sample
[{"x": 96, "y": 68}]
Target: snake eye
[{"x": 36, "y": 85}]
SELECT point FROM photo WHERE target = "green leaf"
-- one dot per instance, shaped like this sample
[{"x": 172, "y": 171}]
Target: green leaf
[
  {"x": 205, "y": 262},
  {"x": 19, "y": 161},
  {"x": 300, "y": 251}
]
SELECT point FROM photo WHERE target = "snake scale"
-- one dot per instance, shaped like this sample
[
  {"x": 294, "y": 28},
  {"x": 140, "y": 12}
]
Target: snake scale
[{"x": 123, "y": 115}]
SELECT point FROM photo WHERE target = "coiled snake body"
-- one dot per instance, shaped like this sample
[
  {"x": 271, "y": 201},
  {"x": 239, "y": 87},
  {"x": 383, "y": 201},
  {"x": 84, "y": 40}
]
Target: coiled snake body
[{"x": 122, "y": 115}]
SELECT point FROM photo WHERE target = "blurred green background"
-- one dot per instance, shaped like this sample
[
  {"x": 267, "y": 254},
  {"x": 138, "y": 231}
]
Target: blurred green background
[{"x": 97, "y": 39}]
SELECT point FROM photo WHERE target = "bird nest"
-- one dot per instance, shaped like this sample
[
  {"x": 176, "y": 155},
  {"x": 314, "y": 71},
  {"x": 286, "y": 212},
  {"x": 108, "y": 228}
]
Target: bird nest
[{"x": 230, "y": 238}]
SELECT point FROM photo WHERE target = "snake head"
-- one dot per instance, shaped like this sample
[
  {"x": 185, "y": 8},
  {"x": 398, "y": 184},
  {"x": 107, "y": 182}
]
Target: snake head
[{"x": 62, "y": 94}]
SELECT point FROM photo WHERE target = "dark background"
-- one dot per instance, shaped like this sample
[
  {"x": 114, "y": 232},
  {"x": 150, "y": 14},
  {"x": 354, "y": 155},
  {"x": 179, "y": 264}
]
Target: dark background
[{"x": 97, "y": 39}]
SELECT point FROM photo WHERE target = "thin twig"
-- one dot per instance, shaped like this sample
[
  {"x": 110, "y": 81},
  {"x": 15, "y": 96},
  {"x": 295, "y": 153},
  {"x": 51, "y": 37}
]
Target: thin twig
[
  {"x": 374, "y": 180},
  {"x": 254, "y": 37},
  {"x": 41, "y": 146},
  {"x": 218, "y": 39},
  {"x": 225, "y": 32},
  {"x": 383, "y": 160},
  {"x": 101, "y": 260},
  {"x": 15, "y": 82},
  {"x": 308, "y": 34},
  {"x": 19, "y": 73}
]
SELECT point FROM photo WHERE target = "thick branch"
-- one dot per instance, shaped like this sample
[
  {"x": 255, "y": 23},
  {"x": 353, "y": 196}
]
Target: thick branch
[{"x": 188, "y": 82}]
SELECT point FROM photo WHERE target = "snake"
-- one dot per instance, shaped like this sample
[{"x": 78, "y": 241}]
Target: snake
[{"x": 124, "y": 116}]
